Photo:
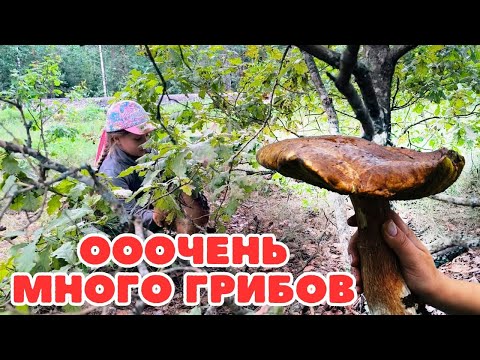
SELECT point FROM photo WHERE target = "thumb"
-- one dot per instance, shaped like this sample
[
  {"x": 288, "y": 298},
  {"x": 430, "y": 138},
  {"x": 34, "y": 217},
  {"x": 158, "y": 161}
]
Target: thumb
[{"x": 399, "y": 241}]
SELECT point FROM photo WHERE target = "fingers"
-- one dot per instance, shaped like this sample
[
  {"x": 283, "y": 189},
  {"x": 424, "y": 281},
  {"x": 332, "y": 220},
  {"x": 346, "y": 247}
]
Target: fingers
[
  {"x": 358, "y": 279},
  {"x": 355, "y": 262},
  {"x": 406, "y": 230},
  {"x": 399, "y": 241},
  {"x": 353, "y": 251}
]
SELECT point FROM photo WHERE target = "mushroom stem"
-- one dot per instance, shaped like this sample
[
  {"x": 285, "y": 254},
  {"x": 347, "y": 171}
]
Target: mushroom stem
[{"x": 383, "y": 284}]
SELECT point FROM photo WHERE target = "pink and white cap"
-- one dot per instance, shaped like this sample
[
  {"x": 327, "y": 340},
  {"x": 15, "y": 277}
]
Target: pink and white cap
[
  {"x": 130, "y": 116},
  {"x": 125, "y": 115}
]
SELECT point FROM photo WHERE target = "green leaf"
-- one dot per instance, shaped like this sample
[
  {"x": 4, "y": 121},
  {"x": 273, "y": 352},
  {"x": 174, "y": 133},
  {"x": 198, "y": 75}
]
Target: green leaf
[
  {"x": 127, "y": 171},
  {"x": 71, "y": 309},
  {"x": 67, "y": 252},
  {"x": 53, "y": 204},
  {"x": 43, "y": 263},
  {"x": 68, "y": 217},
  {"x": 142, "y": 201},
  {"x": 27, "y": 259},
  {"x": 252, "y": 51},
  {"x": 235, "y": 61},
  {"x": 203, "y": 153},
  {"x": 422, "y": 69},
  {"x": 435, "y": 48},
  {"x": 151, "y": 175},
  {"x": 135, "y": 73},
  {"x": 197, "y": 105},
  {"x": 170, "y": 217},
  {"x": 64, "y": 186},
  {"x": 9, "y": 187},
  {"x": 276, "y": 310},
  {"x": 232, "y": 207},
  {"x": 23, "y": 309},
  {"x": 201, "y": 94},
  {"x": 4, "y": 268},
  {"x": 77, "y": 191},
  {"x": 10, "y": 165},
  {"x": 187, "y": 189},
  {"x": 31, "y": 202},
  {"x": 178, "y": 164},
  {"x": 459, "y": 103},
  {"x": 17, "y": 204}
]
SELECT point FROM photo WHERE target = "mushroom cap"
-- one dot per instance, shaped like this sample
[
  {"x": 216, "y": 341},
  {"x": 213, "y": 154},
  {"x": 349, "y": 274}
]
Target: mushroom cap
[{"x": 351, "y": 165}]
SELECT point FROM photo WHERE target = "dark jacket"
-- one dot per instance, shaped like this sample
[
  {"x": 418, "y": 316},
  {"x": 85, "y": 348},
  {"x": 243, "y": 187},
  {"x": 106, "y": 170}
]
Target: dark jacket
[{"x": 117, "y": 161}]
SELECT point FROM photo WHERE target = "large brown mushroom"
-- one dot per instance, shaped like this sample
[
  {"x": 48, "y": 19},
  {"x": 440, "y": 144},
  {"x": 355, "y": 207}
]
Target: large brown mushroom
[{"x": 371, "y": 175}]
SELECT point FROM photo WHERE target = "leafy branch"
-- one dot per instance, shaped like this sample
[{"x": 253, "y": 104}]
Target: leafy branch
[{"x": 265, "y": 123}]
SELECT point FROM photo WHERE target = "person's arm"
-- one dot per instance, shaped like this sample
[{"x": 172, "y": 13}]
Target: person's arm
[
  {"x": 196, "y": 212},
  {"x": 435, "y": 288},
  {"x": 419, "y": 270},
  {"x": 455, "y": 296}
]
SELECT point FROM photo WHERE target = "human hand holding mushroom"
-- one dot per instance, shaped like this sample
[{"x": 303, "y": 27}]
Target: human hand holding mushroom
[
  {"x": 421, "y": 275},
  {"x": 416, "y": 263},
  {"x": 371, "y": 175}
]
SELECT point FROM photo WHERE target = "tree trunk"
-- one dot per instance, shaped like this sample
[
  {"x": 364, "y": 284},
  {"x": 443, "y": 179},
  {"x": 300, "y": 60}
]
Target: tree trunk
[
  {"x": 337, "y": 200},
  {"x": 104, "y": 78},
  {"x": 381, "y": 71}
]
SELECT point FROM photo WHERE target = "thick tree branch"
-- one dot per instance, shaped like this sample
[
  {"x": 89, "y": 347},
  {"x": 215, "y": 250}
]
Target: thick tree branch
[
  {"x": 473, "y": 201},
  {"x": 331, "y": 57},
  {"x": 320, "y": 87},
  {"x": 361, "y": 73},
  {"x": 347, "y": 64},
  {"x": 358, "y": 107},
  {"x": 46, "y": 163},
  {"x": 398, "y": 51},
  {"x": 364, "y": 81}
]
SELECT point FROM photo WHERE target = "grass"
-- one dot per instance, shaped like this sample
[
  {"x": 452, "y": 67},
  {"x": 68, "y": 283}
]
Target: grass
[{"x": 71, "y": 138}]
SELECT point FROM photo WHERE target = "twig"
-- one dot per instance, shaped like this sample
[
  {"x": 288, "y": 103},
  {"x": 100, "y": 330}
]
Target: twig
[
  {"x": 396, "y": 92},
  {"x": 164, "y": 91},
  {"x": 418, "y": 122},
  {"x": 250, "y": 172},
  {"x": 311, "y": 256},
  {"x": 183, "y": 58}
]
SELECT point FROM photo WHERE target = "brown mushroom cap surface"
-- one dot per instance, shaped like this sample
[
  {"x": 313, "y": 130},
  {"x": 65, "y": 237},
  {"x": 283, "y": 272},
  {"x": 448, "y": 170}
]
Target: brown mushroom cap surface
[{"x": 351, "y": 165}]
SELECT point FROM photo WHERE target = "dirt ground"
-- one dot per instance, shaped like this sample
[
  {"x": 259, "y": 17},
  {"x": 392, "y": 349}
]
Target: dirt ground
[{"x": 311, "y": 238}]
